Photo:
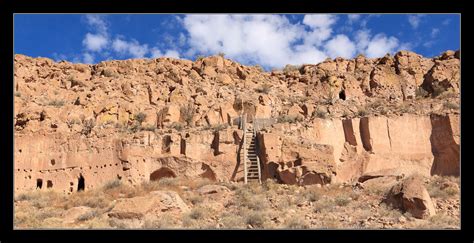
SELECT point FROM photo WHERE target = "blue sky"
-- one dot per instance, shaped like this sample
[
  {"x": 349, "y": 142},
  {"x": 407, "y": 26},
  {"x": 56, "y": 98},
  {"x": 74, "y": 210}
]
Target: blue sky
[{"x": 269, "y": 40}]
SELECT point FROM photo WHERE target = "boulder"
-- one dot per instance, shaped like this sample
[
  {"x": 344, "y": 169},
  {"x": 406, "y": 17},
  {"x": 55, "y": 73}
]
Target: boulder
[
  {"x": 155, "y": 202},
  {"x": 411, "y": 196}
]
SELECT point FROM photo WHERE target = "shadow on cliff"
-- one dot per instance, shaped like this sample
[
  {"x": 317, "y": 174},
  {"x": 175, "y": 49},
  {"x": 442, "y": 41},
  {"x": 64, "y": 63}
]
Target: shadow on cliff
[{"x": 445, "y": 150}]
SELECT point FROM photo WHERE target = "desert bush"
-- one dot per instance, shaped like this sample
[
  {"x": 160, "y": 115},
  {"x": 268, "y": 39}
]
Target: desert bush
[
  {"x": 296, "y": 222},
  {"x": 222, "y": 54},
  {"x": 112, "y": 184},
  {"x": 289, "y": 119},
  {"x": 256, "y": 219},
  {"x": 219, "y": 127},
  {"x": 421, "y": 93},
  {"x": 291, "y": 68},
  {"x": 140, "y": 117},
  {"x": 17, "y": 94},
  {"x": 150, "y": 128},
  {"x": 198, "y": 213},
  {"x": 169, "y": 181},
  {"x": 264, "y": 88},
  {"x": 232, "y": 221},
  {"x": 362, "y": 112},
  {"x": 450, "y": 105},
  {"x": 56, "y": 103},
  {"x": 312, "y": 195},
  {"x": 88, "y": 126},
  {"x": 320, "y": 113},
  {"x": 342, "y": 201},
  {"x": 187, "y": 113},
  {"x": 165, "y": 221},
  {"x": 87, "y": 216},
  {"x": 259, "y": 68}
]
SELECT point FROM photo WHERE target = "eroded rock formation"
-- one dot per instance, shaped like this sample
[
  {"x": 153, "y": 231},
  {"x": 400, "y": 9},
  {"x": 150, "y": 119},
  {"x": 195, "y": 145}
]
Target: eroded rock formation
[{"x": 78, "y": 126}]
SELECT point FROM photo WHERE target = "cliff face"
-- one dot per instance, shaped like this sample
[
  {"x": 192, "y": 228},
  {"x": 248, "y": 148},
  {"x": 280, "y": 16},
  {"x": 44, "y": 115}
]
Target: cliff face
[{"x": 82, "y": 125}]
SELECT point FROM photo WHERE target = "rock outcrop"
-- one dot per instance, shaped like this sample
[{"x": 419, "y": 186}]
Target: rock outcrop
[
  {"x": 411, "y": 196},
  {"x": 78, "y": 126}
]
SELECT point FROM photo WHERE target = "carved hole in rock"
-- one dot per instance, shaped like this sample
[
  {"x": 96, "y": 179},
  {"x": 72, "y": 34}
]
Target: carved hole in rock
[
  {"x": 166, "y": 144},
  {"x": 39, "y": 183},
  {"x": 183, "y": 146},
  {"x": 53, "y": 162},
  {"x": 215, "y": 144},
  {"x": 49, "y": 184},
  {"x": 42, "y": 116},
  {"x": 70, "y": 189},
  {"x": 162, "y": 173},
  {"x": 80, "y": 183},
  {"x": 71, "y": 183},
  {"x": 298, "y": 162},
  {"x": 19, "y": 150},
  {"x": 342, "y": 95}
]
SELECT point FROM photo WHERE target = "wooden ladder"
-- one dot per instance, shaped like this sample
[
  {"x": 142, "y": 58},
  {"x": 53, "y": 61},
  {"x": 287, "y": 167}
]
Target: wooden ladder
[{"x": 251, "y": 161}]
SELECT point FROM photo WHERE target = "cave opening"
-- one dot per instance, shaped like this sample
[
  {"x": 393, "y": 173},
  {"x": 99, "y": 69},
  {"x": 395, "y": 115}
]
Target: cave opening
[
  {"x": 342, "y": 95},
  {"x": 39, "y": 183},
  {"x": 81, "y": 183},
  {"x": 49, "y": 184},
  {"x": 162, "y": 173}
]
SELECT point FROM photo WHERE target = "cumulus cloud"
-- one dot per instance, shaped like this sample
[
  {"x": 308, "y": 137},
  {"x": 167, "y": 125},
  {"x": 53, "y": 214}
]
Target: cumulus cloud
[
  {"x": 131, "y": 48},
  {"x": 95, "y": 42},
  {"x": 155, "y": 53},
  {"x": 321, "y": 25},
  {"x": 415, "y": 20},
  {"x": 88, "y": 58},
  {"x": 340, "y": 46},
  {"x": 381, "y": 45},
  {"x": 378, "y": 45},
  {"x": 352, "y": 18},
  {"x": 269, "y": 40}
]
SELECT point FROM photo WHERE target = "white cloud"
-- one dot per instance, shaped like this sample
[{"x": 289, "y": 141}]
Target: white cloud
[
  {"x": 88, "y": 58},
  {"x": 340, "y": 46},
  {"x": 415, "y": 20},
  {"x": 321, "y": 25},
  {"x": 131, "y": 48},
  {"x": 97, "y": 22},
  {"x": 353, "y": 18},
  {"x": 434, "y": 32},
  {"x": 94, "y": 42},
  {"x": 265, "y": 39},
  {"x": 155, "y": 53},
  {"x": 362, "y": 38},
  {"x": 381, "y": 45}
]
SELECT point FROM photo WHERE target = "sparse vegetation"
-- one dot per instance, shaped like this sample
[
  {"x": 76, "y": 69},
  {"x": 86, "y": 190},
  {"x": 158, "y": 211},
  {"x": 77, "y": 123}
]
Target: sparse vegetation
[
  {"x": 200, "y": 57},
  {"x": 291, "y": 68},
  {"x": 450, "y": 105},
  {"x": 187, "y": 113},
  {"x": 140, "y": 117},
  {"x": 56, "y": 103},
  {"x": 259, "y": 68},
  {"x": 362, "y": 112},
  {"x": 264, "y": 88},
  {"x": 88, "y": 126},
  {"x": 421, "y": 93},
  {"x": 320, "y": 113},
  {"x": 289, "y": 119}
]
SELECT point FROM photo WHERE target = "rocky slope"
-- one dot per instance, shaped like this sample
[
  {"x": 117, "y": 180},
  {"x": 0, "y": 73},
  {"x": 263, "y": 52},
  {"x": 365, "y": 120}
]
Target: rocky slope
[{"x": 79, "y": 126}]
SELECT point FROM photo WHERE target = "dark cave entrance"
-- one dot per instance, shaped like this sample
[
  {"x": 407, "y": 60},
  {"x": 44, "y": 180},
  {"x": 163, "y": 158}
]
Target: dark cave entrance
[
  {"x": 342, "y": 95},
  {"x": 39, "y": 183},
  {"x": 81, "y": 183},
  {"x": 162, "y": 173}
]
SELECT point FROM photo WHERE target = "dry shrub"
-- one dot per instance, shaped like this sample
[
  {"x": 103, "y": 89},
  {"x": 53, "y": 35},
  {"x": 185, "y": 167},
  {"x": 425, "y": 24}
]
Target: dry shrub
[
  {"x": 255, "y": 219},
  {"x": 297, "y": 222}
]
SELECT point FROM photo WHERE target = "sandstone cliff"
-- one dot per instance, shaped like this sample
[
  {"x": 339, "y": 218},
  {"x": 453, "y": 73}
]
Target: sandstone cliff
[{"x": 78, "y": 126}]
